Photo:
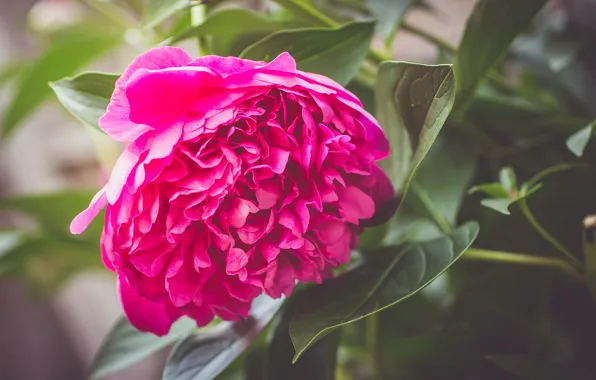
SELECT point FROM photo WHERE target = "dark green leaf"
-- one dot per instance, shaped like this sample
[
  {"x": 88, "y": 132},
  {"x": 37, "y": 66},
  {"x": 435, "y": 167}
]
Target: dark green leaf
[
  {"x": 124, "y": 345},
  {"x": 46, "y": 262},
  {"x": 490, "y": 29},
  {"x": 578, "y": 142},
  {"x": 205, "y": 355},
  {"x": 334, "y": 52},
  {"x": 73, "y": 51},
  {"x": 530, "y": 368},
  {"x": 394, "y": 275},
  {"x": 388, "y": 13},
  {"x": 86, "y": 96},
  {"x": 232, "y": 30},
  {"x": 55, "y": 211},
  {"x": 413, "y": 102},
  {"x": 159, "y": 10},
  {"x": 318, "y": 363}
]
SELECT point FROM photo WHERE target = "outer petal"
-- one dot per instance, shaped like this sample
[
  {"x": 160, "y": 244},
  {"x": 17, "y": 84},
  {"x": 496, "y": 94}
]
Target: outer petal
[
  {"x": 81, "y": 221},
  {"x": 116, "y": 121},
  {"x": 143, "y": 314}
]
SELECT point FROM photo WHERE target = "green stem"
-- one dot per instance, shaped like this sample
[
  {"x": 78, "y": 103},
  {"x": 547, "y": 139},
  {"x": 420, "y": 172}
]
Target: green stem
[
  {"x": 197, "y": 17},
  {"x": 428, "y": 37},
  {"x": 520, "y": 259},
  {"x": 372, "y": 334},
  {"x": 548, "y": 237}
]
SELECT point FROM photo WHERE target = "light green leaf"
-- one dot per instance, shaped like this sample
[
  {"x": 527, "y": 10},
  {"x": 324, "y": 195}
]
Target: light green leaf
[
  {"x": 124, "y": 345},
  {"x": 499, "y": 204},
  {"x": 393, "y": 275},
  {"x": 490, "y": 29},
  {"x": 494, "y": 189},
  {"x": 413, "y": 102},
  {"x": 204, "y": 355},
  {"x": 86, "y": 96},
  {"x": 232, "y": 30},
  {"x": 508, "y": 179},
  {"x": 578, "y": 142},
  {"x": 389, "y": 13},
  {"x": 72, "y": 51},
  {"x": 55, "y": 211},
  {"x": 158, "y": 10},
  {"x": 334, "y": 52}
]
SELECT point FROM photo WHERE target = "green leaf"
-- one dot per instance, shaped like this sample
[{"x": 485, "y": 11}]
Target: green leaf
[
  {"x": 508, "y": 179},
  {"x": 124, "y": 345},
  {"x": 318, "y": 363},
  {"x": 158, "y": 10},
  {"x": 530, "y": 368},
  {"x": 494, "y": 189},
  {"x": 205, "y": 355},
  {"x": 334, "y": 52},
  {"x": 499, "y": 204},
  {"x": 46, "y": 262},
  {"x": 55, "y": 211},
  {"x": 389, "y": 13},
  {"x": 413, "y": 102},
  {"x": 303, "y": 9},
  {"x": 578, "y": 142},
  {"x": 394, "y": 275},
  {"x": 232, "y": 30},
  {"x": 86, "y": 96},
  {"x": 490, "y": 29},
  {"x": 64, "y": 57}
]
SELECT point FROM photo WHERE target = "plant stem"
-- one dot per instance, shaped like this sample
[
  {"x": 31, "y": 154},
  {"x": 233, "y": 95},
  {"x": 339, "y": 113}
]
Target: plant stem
[
  {"x": 428, "y": 37},
  {"x": 548, "y": 237},
  {"x": 372, "y": 334},
  {"x": 520, "y": 259}
]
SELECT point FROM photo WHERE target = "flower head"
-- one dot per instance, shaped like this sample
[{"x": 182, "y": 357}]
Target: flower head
[{"x": 239, "y": 177}]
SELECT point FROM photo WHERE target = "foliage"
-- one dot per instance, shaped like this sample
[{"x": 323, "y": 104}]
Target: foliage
[{"x": 486, "y": 270}]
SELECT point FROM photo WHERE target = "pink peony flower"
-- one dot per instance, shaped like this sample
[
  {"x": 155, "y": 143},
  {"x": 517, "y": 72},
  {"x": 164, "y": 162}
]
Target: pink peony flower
[{"x": 239, "y": 177}]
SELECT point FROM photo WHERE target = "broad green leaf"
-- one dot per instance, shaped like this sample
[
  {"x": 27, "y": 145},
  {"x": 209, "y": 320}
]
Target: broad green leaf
[
  {"x": 529, "y": 368},
  {"x": 205, "y": 355},
  {"x": 55, "y": 211},
  {"x": 413, "y": 102},
  {"x": 393, "y": 275},
  {"x": 590, "y": 252},
  {"x": 490, "y": 29},
  {"x": 318, "y": 363},
  {"x": 159, "y": 10},
  {"x": 232, "y": 30},
  {"x": 64, "y": 57},
  {"x": 578, "y": 142},
  {"x": 86, "y": 96},
  {"x": 389, "y": 13},
  {"x": 124, "y": 345},
  {"x": 46, "y": 262},
  {"x": 334, "y": 52},
  {"x": 303, "y": 9}
]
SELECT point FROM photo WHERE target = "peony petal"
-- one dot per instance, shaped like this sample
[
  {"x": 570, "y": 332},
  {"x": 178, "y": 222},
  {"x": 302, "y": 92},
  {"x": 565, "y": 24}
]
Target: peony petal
[
  {"x": 81, "y": 221},
  {"x": 145, "y": 315},
  {"x": 354, "y": 204}
]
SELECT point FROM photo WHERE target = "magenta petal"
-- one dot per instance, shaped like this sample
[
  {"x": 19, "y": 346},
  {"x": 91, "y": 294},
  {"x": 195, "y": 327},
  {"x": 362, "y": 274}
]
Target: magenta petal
[
  {"x": 81, "y": 221},
  {"x": 145, "y": 315},
  {"x": 355, "y": 204}
]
